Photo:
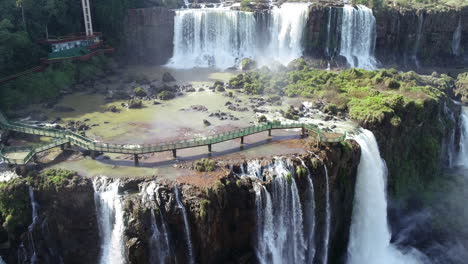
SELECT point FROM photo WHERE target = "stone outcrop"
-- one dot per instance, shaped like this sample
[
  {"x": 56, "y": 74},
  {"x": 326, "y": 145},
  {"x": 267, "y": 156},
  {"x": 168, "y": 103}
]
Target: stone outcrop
[{"x": 149, "y": 34}]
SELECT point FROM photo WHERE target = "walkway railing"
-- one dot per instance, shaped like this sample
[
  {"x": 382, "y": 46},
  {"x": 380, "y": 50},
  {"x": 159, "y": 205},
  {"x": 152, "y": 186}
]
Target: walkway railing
[{"x": 66, "y": 136}]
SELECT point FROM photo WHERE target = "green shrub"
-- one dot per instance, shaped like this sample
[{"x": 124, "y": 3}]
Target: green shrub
[
  {"x": 288, "y": 177},
  {"x": 205, "y": 165},
  {"x": 166, "y": 95},
  {"x": 139, "y": 91}
]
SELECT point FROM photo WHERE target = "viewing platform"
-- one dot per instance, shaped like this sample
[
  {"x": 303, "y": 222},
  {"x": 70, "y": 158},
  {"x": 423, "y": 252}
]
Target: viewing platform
[{"x": 22, "y": 155}]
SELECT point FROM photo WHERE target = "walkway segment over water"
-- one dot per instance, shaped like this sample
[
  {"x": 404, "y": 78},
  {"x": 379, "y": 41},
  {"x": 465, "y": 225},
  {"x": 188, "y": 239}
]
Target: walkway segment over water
[{"x": 22, "y": 155}]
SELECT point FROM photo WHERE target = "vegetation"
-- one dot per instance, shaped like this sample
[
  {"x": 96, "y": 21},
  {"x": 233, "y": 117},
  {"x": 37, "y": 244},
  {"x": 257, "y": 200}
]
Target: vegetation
[
  {"x": 205, "y": 165},
  {"x": 376, "y": 4},
  {"x": 53, "y": 178},
  {"x": 139, "y": 91},
  {"x": 15, "y": 212},
  {"x": 368, "y": 96},
  {"x": 46, "y": 86}
]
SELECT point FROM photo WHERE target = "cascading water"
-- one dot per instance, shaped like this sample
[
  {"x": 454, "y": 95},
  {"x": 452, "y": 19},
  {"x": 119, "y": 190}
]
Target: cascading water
[
  {"x": 457, "y": 39},
  {"x": 328, "y": 219},
  {"x": 221, "y": 38},
  {"x": 358, "y": 34},
  {"x": 419, "y": 34},
  {"x": 280, "y": 236},
  {"x": 462, "y": 158},
  {"x": 5, "y": 173},
  {"x": 309, "y": 217},
  {"x": 188, "y": 235},
  {"x": 35, "y": 217},
  {"x": 160, "y": 249},
  {"x": 370, "y": 235},
  {"x": 110, "y": 220}
]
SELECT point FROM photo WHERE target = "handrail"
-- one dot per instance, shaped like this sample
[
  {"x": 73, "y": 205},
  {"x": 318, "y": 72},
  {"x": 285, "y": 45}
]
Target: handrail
[{"x": 66, "y": 136}]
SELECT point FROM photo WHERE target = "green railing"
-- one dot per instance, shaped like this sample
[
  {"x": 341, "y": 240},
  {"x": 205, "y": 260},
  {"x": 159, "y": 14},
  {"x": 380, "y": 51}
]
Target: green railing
[
  {"x": 65, "y": 136},
  {"x": 4, "y": 151}
]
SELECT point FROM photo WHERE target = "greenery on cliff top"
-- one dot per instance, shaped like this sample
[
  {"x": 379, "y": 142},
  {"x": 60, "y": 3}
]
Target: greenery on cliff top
[
  {"x": 46, "y": 86},
  {"x": 428, "y": 4},
  {"x": 15, "y": 212},
  {"x": 368, "y": 96}
]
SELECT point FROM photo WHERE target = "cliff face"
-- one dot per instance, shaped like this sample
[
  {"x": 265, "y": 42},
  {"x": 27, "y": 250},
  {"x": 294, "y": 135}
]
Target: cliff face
[
  {"x": 149, "y": 34},
  {"x": 223, "y": 218},
  {"x": 65, "y": 228},
  {"x": 408, "y": 36}
]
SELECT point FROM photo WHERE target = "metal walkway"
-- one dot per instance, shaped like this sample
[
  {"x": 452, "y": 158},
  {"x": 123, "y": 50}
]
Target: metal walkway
[{"x": 63, "y": 137}]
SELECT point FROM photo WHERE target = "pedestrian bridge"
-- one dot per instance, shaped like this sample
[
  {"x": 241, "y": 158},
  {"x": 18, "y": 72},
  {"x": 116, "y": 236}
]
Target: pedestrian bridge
[{"x": 61, "y": 138}]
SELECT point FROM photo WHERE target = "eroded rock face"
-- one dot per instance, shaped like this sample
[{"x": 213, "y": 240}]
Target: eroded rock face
[
  {"x": 65, "y": 230},
  {"x": 149, "y": 34}
]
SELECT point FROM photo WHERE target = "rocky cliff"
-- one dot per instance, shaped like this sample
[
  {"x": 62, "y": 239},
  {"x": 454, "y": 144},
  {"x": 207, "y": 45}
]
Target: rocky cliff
[
  {"x": 222, "y": 217},
  {"x": 54, "y": 219},
  {"x": 149, "y": 34}
]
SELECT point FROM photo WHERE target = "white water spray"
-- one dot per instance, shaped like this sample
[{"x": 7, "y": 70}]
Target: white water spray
[
  {"x": 160, "y": 250},
  {"x": 188, "y": 235},
  {"x": 280, "y": 237},
  {"x": 358, "y": 34},
  {"x": 110, "y": 220},
  {"x": 328, "y": 218},
  {"x": 309, "y": 218},
  {"x": 419, "y": 34},
  {"x": 370, "y": 235},
  {"x": 462, "y": 158},
  {"x": 457, "y": 39},
  {"x": 222, "y": 38}
]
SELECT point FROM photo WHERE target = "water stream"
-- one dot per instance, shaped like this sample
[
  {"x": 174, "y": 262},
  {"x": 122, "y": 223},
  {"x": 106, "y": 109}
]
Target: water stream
[
  {"x": 188, "y": 236},
  {"x": 110, "y": 220},
  {"x": 358, "y": 34},
  {"x": 221, "y": 38},
  {"x": 370, "y": 234}
]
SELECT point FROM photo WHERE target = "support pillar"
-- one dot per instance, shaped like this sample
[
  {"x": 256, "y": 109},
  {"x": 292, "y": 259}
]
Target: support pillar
[
  {"x": 269, "y": 132},
  {"x": 135, "y": 158},
  {"x": 62, "y": 147},
  {"x": 303, "y": 132},
  {"x": 93, "y": 154},
  {"x": 242, "y": 140},
  {"x": 174, "y": 153},
  {"x": 34, "y": 158},
  {"x": 209, "y": 147}
]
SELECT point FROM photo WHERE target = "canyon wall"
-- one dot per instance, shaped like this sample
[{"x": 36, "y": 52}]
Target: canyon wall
[{"x": 149, "y": 34}]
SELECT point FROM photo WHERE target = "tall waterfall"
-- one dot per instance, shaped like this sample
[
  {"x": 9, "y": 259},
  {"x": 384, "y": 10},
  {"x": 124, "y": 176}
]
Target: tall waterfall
[
  {"x": 191, "y": 258},
  {"x": 358, "y": 34},
  {"x": 457, "y": 39},
  {"x": 280, "y": 236},
  {"x": 326, "y": 238},
  {"x": 160, "y": 246},
  {"x": 417, "y": 42},
  {"x": 370, "y": 235},
  {"x": 462, "y": 158},
  {"x": 309, "y": 217},
  {"x": 35, "y": 217},
  {"x": 221, "y": 38},
  {"x": 110, "y": 220}
]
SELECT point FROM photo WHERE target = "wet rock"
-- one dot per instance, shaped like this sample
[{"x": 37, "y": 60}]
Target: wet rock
[
  {"x": 199, "y": 108},
  {"x": 135, "y": 103},
  {"x": 228, "y": 103},
  {"x": 201, "y": 89},
  {"x": 206, "y": 122},
  {"x": 113, "y": 109},
  {"x": 167, "y": 77}
]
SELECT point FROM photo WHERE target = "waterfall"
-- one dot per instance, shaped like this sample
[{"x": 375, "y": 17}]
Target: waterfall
[
  {"x": 457, "y": 39},
  {"x": 328, "y": 219},
  {"x": 327, "y": 44},
  {"x": 280, "y": 236},
  {"x": 462, "y": 158},
  {"x": 35, "y": 217},
  {"x": 110, "y": 220},
  {"x": 5, "y": 173},
  {"x": 370, "y": 235},
  {"x": 160, "y": 249},
  {"x": 358, "y": 34},
  {"x": 419, "y": 33},
  {"x": 309, "y": 216},
  {"x": 181, "y": 206},
  {"x": 222, "y": 38}
]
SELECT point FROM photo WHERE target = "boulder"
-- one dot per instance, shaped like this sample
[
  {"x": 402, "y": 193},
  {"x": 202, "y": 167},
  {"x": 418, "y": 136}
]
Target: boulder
[
  {"x": 135, "y": 103},
  {"x": 206, "y": 122},
  {"x": 167, "y": 77}
]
